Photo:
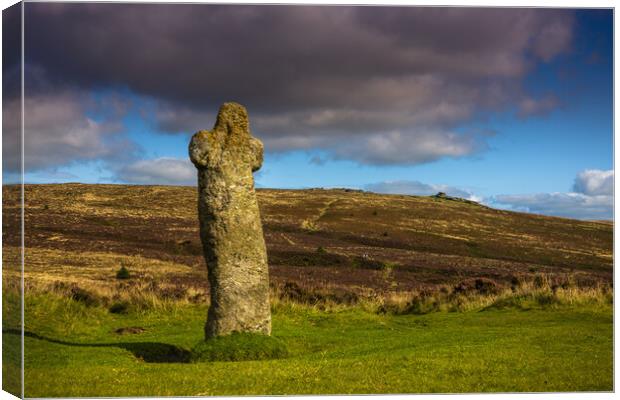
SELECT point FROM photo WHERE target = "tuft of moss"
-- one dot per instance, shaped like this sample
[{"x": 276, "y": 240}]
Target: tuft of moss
[
  {"x": 239, "y": 346},
  {"x": 123, "y": 273}
]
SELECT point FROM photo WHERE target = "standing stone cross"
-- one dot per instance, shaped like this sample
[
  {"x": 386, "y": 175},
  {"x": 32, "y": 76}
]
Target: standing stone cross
[{"x": 230, "y": 226}]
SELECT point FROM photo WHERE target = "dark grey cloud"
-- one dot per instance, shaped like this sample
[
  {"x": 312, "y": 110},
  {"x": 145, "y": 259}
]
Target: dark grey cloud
[
  {"x": 529, "y": 106},
  {"x": 379, "y": 85},
  {"x": 11, "y": 51},
  {"x": 59, "y": 131}
]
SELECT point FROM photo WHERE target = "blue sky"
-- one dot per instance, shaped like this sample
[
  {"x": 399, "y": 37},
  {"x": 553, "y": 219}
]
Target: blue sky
[{"x": 510, "y": 107}]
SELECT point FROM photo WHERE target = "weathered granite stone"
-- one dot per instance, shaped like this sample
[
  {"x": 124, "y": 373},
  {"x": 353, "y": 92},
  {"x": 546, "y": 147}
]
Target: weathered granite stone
[{"x": 230, "y": 226}]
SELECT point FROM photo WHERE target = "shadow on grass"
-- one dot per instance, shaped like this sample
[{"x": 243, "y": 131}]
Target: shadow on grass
[{"x": 150, "y": 352}]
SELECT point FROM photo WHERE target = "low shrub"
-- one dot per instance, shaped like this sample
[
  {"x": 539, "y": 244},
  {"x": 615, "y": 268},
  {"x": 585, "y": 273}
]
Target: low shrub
[
  {"x": 119, "y": 307},
  {"x": 172, "y": 292},
  {"x": 316, "y": 258},
  {"x": 516, "y": 281},
  {"x": 291, "y": 291},
  {"x": 77, "y": 293},
  {"x": 414, "y": 303},
  {"x": 84, "y": 296},
  {"x": 368, "y": 263},
  {"x": 483, "y": 286},
  {"x": 541, "y": 281},
  {"x": 123, "y": 273}
]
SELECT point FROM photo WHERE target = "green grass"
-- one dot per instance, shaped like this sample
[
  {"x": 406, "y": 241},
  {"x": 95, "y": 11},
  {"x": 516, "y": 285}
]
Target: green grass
[
  {"x": 73, "y": 350},
  {"x": 11, "y": 364},
  {"x": 11, "y": 344}
]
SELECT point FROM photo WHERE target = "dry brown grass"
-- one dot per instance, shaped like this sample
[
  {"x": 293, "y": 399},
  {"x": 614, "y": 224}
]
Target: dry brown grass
[
  {"x": 527, "y": 295},
  {"x": 470, "y": 295},
  {"x": 385, "y": 248}
]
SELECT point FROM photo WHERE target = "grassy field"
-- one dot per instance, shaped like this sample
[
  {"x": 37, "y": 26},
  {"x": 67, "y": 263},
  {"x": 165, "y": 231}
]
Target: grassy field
[
  {"x": 75, "y": 350},
  {"x": 370, "y": 293}
]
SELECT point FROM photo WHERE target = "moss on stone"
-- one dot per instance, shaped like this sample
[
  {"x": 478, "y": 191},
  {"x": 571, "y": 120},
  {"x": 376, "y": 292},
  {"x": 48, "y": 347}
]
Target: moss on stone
[{"x": 239, "y": 347}]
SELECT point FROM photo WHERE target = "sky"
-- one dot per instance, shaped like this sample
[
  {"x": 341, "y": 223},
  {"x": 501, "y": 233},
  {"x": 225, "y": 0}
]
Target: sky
[{"x": 511, "y": 107}]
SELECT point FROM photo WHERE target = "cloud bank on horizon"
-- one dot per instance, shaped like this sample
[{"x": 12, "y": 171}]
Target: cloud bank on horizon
[
  {"x": 378, "y": 86},
  {"x": 591, "y": 196}
]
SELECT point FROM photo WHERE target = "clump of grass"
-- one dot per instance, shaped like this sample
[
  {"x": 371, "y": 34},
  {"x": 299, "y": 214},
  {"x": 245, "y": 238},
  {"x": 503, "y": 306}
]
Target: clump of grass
[
  {"x": 123, "y": 273},
  {"x": 138, "y": 297},
  {"x": 390, "y": 265},
  {"x": 541, "y": 281},
  {"x": 84, "y": 296},
  {"x": 172, "y": 292},
  {"x": 74, "y": 292},
  {"x": 540, "y": 292},
  {"x": 413, "y": 303},
  {"x": 239, "y": 347},
  {"x": 483, "y": 286},
  {"x": 293, "y": 292},
  {"x": 309, "y": 225},
  {"x": 516, "y": 281},
  {"x": 365, "y": 262},
  {"x": 319, "y": 258}
]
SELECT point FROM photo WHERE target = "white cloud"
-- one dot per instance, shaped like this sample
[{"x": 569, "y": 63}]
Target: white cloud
[
  {"x": 592, "y": 198},
  {"x": 413, "y": 147},
  {"x": 159, "y": 171},
  {"x": 419, "y": 189},
  {"x": 595, "y": 182},
  {"x": 410, "y": 147},
  {"x": 568, "y": 205}
]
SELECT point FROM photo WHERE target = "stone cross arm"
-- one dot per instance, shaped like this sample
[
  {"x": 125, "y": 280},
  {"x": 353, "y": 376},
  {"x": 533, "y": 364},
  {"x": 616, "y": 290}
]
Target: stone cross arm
[{"x": 230, "y": 141}]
